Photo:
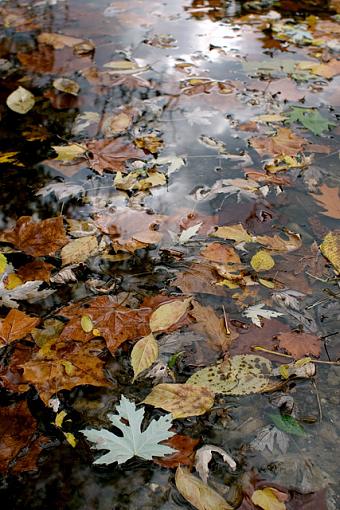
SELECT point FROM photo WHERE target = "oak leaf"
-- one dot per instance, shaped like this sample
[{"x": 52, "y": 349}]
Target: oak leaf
[
  {"x": 37, "y": 238},
  {"x": 15, "y": 326}
]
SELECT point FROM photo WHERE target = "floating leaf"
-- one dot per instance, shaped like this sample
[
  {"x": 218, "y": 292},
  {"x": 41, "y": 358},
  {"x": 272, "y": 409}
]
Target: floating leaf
[
  {"x": 79, "y": 250},
  {"x": 144, "y": 354},
  {"x": 15, "y": 326},
  {"x": 199, "y": 494},
  {"x": 86, "y": 323},
  {"x": 188, "y": 233},
  {"x": 300, "y": 344},
  {"x": 67, "y": 86},
  {"x": 234, "y": 232},
  {"x": 168, "y": 314},
  {"x": 255, "y": 312},
  {"x": 133, "y": 442},
  {"x": 288, "y": 424},
  {"x": 240, "y": 375},
  {"x": 69, "y": 152},
  {"x": 262, "y": 261},
  {"x": 20, "y": 101},
  {"x": 310, "y": 119},
  {"x": 181, "y": 400},
  {"x": 184, "y": 452},
  {"x": 330, "y": 248},
  {"x": 268, "y": 500}
]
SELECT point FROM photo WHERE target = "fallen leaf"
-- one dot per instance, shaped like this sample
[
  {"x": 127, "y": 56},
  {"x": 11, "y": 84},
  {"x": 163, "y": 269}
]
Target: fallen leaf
[
  {"x": 300, "y": 344},
  {"x": 188, "y": 233},
  {"x": 15, "y": 326},
  {"x": 234, "y": 232},
  {"x": 37, "y": 238},
  {"x": 69, "y": 152},
  {"x": 79, "y": 250},
  {"x": 200, "y": 495},
  {"x": 262, "y": 261},
  {"x": 58, "y": 41},
  {"x": 329, "y": 200},
  {"x": 67, "y": 86},
  {"x": 330, "y": 248},
  {"x": 144, "y": 354},
  {"x": 199, "y": 278},
  {"x": 10, "y": 157},
  {"x": 310, "y": 119},
  {"x": 240, "y": 375},
  {"x": 222, "y": 253},
  {"x": 184, "y": 454},
  {"x": 181, "y": 400},
  {"x": 327, "y": 70},
  {"x": 29, "y": 291},
  {"x": 20, "y": 101},
  {"x": 168, "y": 314},
  {"x": 284, "y": 141},
  {"x": 36, "y": 270},
  {"x": 204, "y": 456},
  {"x": 256, "y": 311},
  {"x": 111, "y": 155},
  {"x": 150, "y": 143},
  {"x": 268, "y": 499}
]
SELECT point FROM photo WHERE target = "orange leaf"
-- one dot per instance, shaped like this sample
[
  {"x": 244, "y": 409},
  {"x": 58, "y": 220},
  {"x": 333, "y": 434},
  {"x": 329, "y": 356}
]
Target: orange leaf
[
  {"x": 16, "y": 325},
  {"x": 185, "y": 452}
]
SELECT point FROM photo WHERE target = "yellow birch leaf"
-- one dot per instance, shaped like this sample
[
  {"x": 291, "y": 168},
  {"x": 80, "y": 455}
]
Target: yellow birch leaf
[
  {"x": 198, "y": 493},
  {"x": 86, "y": 323},
  {"x": 143, "y": 354},
  {"x": 181, "y": 400},
  {"x": 262, "y": 261},
  {"x": 60, "y": 418},
  {"x": 168, "y": 314},
  {"x": 3, "y": 263},
  {"x": 70, "y": 439},
  {"x": 330, "y": 248},
  {"x": 267, "y": 499},
  {"x": 234, "y": 232},
  {"x": 68, "y": 152}
]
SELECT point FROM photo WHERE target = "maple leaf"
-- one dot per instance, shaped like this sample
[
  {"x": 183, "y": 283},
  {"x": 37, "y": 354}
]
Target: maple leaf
[
  {"x": 310, "y": 119},
  {"x": 300, "y": 344},
  {"x": 267, "y": 437},
  {"x": 144, "y": 444},
  {"x": 283, "y": 142},
  {"x": 37, "y": 238},
  {"x": 329, "y": 200},
  {"x": 111, "y": 155},
  {"x": 16, "y": 325},
  {"x": 255, "y": 312},
  {"x": 184, "y": 452}
]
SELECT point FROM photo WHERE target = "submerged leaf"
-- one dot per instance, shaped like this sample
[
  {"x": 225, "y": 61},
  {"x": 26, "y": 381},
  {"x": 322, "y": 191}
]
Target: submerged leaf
[
  {"x": 20, "y": 101},
  {"x": 288, "y": 424},
  {"x": 267, "y": 499}
]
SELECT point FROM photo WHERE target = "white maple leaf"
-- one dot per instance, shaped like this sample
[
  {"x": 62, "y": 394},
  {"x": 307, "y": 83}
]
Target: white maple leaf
[
  {"x": 134, "y": 441},
  {"x": 255, "y": 312},
  {"x": 267, "y": 438},
  {"x": 29, "y": 291},
  {"x": 174, "y": 162},
  {"x": 188, "y": 233},
  {"x": 61, "y": 190},
  {"x": 199, "y": 116}
]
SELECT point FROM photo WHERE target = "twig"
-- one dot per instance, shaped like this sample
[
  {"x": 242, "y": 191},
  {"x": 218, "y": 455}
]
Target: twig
[
  {"x": 226, "y": 321},
  {"x": 318, "y": 399},
  {"x": 259, "y": 348}
]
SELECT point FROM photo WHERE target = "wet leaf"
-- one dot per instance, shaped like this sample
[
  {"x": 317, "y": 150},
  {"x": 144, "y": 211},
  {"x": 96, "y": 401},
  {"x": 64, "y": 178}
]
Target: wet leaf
[
  {"x": 79, "y": 250},
  {"x": 204, "y": 456},
  {"x": 15, "y": 326},
  {"x": 300, "y": 344},
  {"x": 10, "y": 157},
  {"x": 20, "y": 101},
  {"x": 288, "y": 424},
  {"x": 37, "y": 238},
  {"x": 199, "y": 494},
  {"x": 268, "y": 500},
  {"x": 283, "y": 142},
  {"x": 61, "y": 190},
  {"x": 262, "y": 261},
  {"x": 144, "y": 354},
  {"x": 133, "y": 442},
  {"x": 3, "y": 263},
  {"x": 330, "y": 248},
  {"x": 255, "y": 312},
  {"x": 184, "y": 454},
  {"x": 329, "y": 200},
  {"x": 240, "y": 375},
  {"x": 36, "y": 270},
  {"x": 86, "y": 323},
  {"x": 110, "y": 155},
  {"x": 29, "y": 291},
  {"x": 181, "y": 400},
  {"x": 69, "y": 152},
  {"x": 234, "y": 232},
  {"x": 67, "y": 86},
  {"x": 58, "y": 41},
  {"x": 310, "y": 119},
  {"x": 168, "y": 314},
  {"x": 188, "y": 233}
]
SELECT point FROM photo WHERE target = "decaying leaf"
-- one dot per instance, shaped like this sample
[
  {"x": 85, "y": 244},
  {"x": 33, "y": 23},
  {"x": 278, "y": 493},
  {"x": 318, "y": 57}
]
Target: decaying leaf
[
  {"x": 300, "y": 344},
  {"x": 133, "y": 442},
  {"x": 184, "y": 452},
  {"x": 330, "y": 248},
  {"x": 329, "y": 200},
  {"x": 234, "y": 232},
  {"x": 20, "y": 101},
  {"x": 262, "y": 261},
  {"x": 79, "y": 250},
  {"x": 16, "y": 325},
  {"x": 181, "y": 400},
  {"x": 30, "y": 291},
  {"x": 168, "y": 314},
  {"x": 62, "y": 190},
  {"x": 67, "y": 86},
  {"x": 188, "y": 233},
  {"x": 200, "y": 495},
  {"x": 204, "y": 456},
  {"x": 284, "y": 141},
  {"x": 144, "y": 354},
  {"x": 239, "y": 375},
  {"x": 269, "y": 499},
  {"x": 58, "y": 41}
]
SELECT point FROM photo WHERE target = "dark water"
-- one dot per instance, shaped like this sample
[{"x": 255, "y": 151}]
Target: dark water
[{"x": 216, "y": 41}]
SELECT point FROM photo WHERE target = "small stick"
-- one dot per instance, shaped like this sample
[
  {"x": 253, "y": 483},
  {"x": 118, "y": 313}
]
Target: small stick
[
  {"x": 226, "y": 321},
  {"x": 259, "y": 348},
  {"x": 318, "y": 399}
]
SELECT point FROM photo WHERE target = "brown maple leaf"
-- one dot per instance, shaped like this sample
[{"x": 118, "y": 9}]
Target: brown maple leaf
[
  {"x": 300, "y": 345},
  {"x": 114, "y": 322},
  {"x": 16, "y": 325},
  {"x": 36, "y": 238},
  {"x": 284, "y": 141},
  {"x": 217, "y": 252},
  {"x": 10, "y": 373},
  {"x": 184, "y": 456},
  {"x": 199, "y": 278},
  {"x": 111, "y": 155},
  {"x": 329, "y": 199}
]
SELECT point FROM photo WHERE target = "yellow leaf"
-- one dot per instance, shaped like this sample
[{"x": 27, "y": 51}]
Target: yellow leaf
[
  {"x": 267, "y": 499},
  {"x": 198, "y": 493},
  {"x": 66, "y": 85},
  {"x": 86, "y": 323},
  {"x": 3, "y": 263},
  {"x": 79, "y": 250},
  {"x": 274, "y": 117},
  {"x": 168, "y": 314},
  {"x": 13, "y": 281},
  {"x": 181, "y": 400},
  {"x": 70, "y": 438},
  {"x": 262, "y": 261},
  {"x": 10, "y": 157},
  {"x": 284, "y": 371},
  {"x": 234, "y": 232},
  {"x": 60, "y": 418},
  {"x": 143, "y": 354},
  {"x": 267, "y": 283},
  {"x": 330, "y": 248},
  {"x": 68, "y": 152},
  {"x": 20, "y": 101},
  {"x": 69, "y": 367}
]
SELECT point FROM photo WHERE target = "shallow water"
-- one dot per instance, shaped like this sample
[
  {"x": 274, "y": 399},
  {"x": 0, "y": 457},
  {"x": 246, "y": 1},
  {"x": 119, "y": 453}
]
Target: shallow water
[{"x": 175, "y": 42}]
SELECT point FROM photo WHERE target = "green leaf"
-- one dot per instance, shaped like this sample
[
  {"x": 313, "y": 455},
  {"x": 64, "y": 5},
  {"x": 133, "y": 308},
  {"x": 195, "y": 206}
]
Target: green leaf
[
  {"x": 310, "y": 119},
  {"x": 133, "y": 442},
  {"x": 288, "y": 424}
]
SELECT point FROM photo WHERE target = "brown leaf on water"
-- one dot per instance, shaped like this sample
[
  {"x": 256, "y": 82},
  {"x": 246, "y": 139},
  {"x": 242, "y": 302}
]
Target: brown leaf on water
[
  {"x": 284, "y": 89},
  {"x": 213, "y": 327},
  {"x": 300, "y": 345},
  {"x": 114, "y": 322},
  {"x": 36, "y": 270},
  {"x": 19, "y": 445},
  {"x": 185, "y": 455},
  {"x": 150, "y": 143},
  {"x": 181, "y": 400},
  {"x": 37, "y": 238},
  {"x": 15, "y": 326},
  {"x": 111, "y": 155},
  {"x": 199, "y": 278},
  {"x": 330, "y": 248},
  {"x": 285, "y": 141},
  {"x": 329, "y": 200},
  {"x": 58, "y": 41},
  {"x": 217, "y": 252},
  {"x": 52, "y": 370}
]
